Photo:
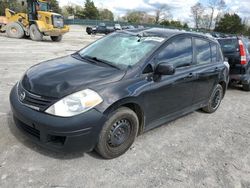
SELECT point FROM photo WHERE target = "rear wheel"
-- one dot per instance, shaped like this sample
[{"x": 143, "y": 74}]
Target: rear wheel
[
  {"x": 215, "y": 100},
  {"x": 56, "y": 38},
  {"x": 246, "y": 87},
  {"x": 35, "y": 34},
  {"x": 118, "y": 133},
  {"x": 14, "y": 30}
]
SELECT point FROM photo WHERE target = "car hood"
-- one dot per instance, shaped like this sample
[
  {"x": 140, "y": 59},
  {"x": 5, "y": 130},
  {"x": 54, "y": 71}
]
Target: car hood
[{"x": 63, "y": 76}]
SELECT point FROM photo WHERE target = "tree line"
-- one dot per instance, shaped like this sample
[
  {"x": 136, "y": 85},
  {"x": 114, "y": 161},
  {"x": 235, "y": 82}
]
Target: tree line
[
  {"x": 90, "y": 11},
  {"x": 225, "y": 21},
  {"x": 208, "y": 15}
]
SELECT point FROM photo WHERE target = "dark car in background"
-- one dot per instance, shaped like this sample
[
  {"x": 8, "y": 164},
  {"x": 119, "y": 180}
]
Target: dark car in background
[
  {"x": 235, "y": 49},
  {"x": 122, "y": 85},
  {"x": 101, "y": 29},
  {"x": 128, "y": 27}
]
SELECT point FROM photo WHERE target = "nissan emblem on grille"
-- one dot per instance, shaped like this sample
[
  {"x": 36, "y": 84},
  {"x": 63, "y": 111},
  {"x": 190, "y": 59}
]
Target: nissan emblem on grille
[{"x": 22, "y": 96}]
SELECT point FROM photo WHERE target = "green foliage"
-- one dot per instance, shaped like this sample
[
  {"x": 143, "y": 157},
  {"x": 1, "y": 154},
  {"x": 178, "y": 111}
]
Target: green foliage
[
  {"x": 79, "y": 12},
  {"x": 105, "y": 14},
  {"x": 13, "y": 5},
  {"x": 90, "y": 10},
  {"x": 175, "y": 24},
  {"x": 135, "y": 16},
  {"x": 55, "y": 6},
  {"x": 68, "y": 10},
  {"x": 230, "y": 23},
  {"x": 18, "y": 7}
]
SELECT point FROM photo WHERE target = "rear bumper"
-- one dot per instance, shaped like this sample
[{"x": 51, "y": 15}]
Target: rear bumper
[
  {"x": 240, "y": 78},
  {"x": 77, "y": 133}
]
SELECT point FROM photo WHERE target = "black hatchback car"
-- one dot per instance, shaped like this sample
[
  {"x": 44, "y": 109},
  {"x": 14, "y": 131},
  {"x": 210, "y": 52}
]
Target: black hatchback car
[{"x": 118, "y": 87}]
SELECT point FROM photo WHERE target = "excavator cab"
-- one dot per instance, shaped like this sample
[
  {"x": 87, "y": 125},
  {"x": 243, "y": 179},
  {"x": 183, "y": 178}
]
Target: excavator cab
[
  {"x": 34, "y": 6},
  {"x": 39, "y": 21}
]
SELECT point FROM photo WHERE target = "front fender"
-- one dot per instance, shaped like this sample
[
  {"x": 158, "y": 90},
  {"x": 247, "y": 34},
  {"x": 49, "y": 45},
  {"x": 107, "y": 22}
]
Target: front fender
[
  {"x": 41, "y": 26},
  {"x": 122, "y": 92}
]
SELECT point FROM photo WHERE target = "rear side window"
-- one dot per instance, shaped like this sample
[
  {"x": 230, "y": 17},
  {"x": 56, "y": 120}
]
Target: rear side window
[
  {"x": 229, "y": 45},
  {"x": 213, "y": 52},
  {"x": 179, "y": 52},
  {"x": 203, "y": 53}
]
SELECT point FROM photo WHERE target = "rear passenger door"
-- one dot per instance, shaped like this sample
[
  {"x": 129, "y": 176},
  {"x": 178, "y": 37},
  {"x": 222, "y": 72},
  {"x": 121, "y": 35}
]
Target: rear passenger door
[{"x": 207, "y": 69}]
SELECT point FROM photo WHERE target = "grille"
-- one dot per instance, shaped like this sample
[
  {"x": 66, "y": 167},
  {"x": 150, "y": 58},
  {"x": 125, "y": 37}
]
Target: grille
[
  {"x": 36, "y": 102},
  {"x": 30, "y": 130},
  {"x": 57, "y": 21}
]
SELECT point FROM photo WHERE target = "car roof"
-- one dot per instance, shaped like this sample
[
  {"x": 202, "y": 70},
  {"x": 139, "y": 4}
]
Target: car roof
[{"x": 166, "y": 33}]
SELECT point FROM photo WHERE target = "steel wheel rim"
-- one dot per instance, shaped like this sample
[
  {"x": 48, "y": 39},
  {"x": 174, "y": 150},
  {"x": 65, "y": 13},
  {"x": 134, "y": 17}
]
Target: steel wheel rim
[
  {"x": 119, "y": 133},
  {"x": 216, "y": 99},
  {"x": 13, "y": 30}
]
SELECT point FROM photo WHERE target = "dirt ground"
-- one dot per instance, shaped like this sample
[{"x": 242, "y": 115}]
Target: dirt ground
[{"x": 198, "y": 150}]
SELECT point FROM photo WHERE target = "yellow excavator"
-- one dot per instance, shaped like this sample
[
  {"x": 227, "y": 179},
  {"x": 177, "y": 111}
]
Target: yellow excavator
[{"x": 38, "y": 22}]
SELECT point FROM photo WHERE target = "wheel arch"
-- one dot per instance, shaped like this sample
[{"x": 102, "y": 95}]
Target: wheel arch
[
  {"x": 224, "y": 87},
  {"x": 131, "y": 104},
  {"x": 17, "y": 22},
  {"x": 40, "y": 25}
]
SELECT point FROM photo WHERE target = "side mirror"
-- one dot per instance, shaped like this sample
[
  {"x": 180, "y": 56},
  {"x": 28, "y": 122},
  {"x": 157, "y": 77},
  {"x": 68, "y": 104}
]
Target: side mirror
[
  {"x": 164, "y": 69},
  {"x": 226, "y": 59}
]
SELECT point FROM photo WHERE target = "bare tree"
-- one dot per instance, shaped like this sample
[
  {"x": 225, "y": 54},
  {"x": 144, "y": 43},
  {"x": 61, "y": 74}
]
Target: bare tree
[
  {"x": 215, "y": 5},
  {"x": 162, "y": 11},
  {"x": 197, "y": 12}
]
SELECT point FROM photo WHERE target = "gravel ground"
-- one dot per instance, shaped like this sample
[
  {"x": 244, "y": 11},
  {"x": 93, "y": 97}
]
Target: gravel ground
[{"x": 198, "y": 150}]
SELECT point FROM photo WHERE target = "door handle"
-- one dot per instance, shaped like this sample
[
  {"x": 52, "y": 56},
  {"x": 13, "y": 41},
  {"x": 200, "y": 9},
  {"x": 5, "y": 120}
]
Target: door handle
[
  {"x": 216, "y": 68},
  {"x": 190, "y": 75}
]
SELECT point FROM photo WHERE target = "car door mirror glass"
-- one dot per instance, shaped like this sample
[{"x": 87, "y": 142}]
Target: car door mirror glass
[{"x": 165, "y": 69}]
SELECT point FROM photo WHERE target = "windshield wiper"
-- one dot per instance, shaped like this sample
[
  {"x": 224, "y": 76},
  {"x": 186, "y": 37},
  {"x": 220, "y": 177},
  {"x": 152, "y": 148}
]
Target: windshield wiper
[{"x": 95, "y": 59}]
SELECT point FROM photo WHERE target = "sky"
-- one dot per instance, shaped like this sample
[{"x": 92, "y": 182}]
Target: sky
[{"x": 180, "y": 9}]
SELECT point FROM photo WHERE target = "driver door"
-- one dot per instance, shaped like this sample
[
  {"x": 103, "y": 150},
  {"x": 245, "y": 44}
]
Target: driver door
[{"x": 171, "y": 94}]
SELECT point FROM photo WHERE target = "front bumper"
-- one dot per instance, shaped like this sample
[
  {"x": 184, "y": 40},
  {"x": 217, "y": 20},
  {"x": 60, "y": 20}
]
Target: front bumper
[
  {"x": 77, "y": 133},
  {"x": 51, "y": 31}
]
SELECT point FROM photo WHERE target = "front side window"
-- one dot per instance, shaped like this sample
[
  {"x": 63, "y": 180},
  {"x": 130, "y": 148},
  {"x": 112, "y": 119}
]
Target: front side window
[
  {"x": 179, "y": 52},
  {"x": 41, "y": 6},
  {"x": 203, "y": 53}
]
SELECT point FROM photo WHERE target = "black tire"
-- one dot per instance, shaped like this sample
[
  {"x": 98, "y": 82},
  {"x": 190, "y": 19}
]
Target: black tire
[
  {"x": 35, "y": 34},
  {"x": 215, "y": 100},
  {"x": 246, "y": 87},
  {"x": 14, "y": 30},
  {"x": 56, "y": 38},
  {"x": 118, "y": 133}
]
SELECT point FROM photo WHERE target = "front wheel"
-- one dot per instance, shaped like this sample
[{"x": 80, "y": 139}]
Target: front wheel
[
  {"x": 118, "y": 133},
  {"x": 215, "y": 100},
  {"x": 35, "y": 34},
  {"x": 56, "y": 38}
]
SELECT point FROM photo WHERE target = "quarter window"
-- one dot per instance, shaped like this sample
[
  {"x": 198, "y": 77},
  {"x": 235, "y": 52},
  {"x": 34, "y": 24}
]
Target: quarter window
[
  {"x": 214, "y": 52},
  {"x": 203, "y": 51},
  {"x": 179, "y": 52}
]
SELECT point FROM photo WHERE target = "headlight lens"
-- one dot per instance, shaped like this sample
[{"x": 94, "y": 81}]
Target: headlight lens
[{"x": 75, "y": 103}]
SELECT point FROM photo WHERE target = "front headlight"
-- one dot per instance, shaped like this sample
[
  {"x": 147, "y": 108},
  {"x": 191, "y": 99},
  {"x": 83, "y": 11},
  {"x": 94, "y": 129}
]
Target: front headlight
[{"x": 75, "y": 103}]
